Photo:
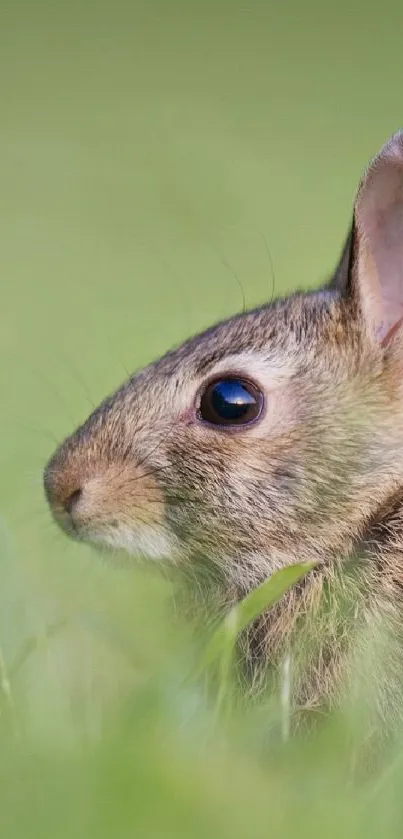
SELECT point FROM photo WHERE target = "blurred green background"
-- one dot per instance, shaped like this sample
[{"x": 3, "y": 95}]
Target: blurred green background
[{"x": 154, "y": 157}]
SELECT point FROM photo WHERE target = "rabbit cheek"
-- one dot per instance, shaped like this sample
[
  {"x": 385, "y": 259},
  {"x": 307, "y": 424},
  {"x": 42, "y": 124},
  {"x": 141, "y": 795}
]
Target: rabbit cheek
[{"x": 204, "y": 499}]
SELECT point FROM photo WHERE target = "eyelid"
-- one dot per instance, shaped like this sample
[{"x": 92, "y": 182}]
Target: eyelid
[{"x": 219, "y": 376}]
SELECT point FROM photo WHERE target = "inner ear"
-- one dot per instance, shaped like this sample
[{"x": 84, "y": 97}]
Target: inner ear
[{"x": 371, "y": 266}]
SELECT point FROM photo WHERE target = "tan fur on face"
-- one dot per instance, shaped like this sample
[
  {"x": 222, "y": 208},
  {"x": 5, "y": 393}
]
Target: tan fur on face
[{"x": 318, "y": 477}]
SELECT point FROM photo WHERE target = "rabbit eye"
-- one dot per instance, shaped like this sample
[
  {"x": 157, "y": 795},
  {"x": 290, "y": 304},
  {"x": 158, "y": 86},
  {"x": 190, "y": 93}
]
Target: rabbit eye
[{"x": 230, "y": 401}]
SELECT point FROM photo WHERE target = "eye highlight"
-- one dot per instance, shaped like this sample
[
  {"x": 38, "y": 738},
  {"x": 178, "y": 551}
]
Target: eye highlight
[{"x": 230, "y": 401}]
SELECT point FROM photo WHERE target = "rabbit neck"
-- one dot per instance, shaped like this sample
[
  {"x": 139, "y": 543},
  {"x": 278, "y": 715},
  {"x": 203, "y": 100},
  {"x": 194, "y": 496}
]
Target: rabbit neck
[{"x": 322, "y": 623}]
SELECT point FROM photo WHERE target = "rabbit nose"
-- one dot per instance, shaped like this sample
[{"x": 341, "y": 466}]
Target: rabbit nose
[{"x": 64, "y": 492}]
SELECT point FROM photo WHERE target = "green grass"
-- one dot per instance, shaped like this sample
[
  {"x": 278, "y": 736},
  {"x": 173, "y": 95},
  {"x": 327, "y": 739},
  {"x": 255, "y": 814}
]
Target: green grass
[
  {"x": 156, "y": 156},
  {"x": 164, "y": 754}
]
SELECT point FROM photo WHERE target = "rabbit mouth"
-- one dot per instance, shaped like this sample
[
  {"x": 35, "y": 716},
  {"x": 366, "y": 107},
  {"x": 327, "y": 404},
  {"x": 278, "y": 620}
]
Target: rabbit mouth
[{"x": 146, "y": 541}]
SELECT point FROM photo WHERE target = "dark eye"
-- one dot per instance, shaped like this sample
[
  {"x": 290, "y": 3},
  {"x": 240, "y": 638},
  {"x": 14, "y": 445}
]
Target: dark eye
[{"x": 230, "y": 401}]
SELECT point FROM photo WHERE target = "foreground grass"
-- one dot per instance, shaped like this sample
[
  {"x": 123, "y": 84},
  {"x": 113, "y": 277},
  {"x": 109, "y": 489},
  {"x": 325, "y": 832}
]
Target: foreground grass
[{"x": 129, "y": 742}]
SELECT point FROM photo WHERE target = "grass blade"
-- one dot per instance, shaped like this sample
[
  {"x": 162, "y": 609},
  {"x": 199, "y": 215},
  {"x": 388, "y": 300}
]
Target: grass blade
[{"x": 247, "y": 610}]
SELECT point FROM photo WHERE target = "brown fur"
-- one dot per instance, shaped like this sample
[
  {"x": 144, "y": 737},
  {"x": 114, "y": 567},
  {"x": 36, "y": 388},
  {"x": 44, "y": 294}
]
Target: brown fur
[{"x": 320, "y": 476}]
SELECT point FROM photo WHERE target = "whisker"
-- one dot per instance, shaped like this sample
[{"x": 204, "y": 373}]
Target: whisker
[
  {"x": 233, "y": 273},
  {"x": 43, "y": 432},
  {"x": 77, "y": 376},
  {"x": 164, "y": 262},
  {"x": 263, "y": 237},
  {"x": 49, "y": 386},
  {"x": 156, "y": 447}
]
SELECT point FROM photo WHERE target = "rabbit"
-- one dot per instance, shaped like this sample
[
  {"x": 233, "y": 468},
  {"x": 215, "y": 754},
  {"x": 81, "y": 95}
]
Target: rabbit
[{"x": 274, "y": 437}]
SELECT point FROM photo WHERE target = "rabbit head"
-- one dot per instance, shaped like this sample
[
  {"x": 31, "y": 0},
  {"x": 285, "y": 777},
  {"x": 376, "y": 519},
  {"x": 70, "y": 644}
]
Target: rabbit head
[{"x": 272, "y": 437}]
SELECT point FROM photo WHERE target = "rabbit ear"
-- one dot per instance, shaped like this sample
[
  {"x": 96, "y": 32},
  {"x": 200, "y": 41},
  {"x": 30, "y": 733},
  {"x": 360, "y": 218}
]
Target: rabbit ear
[
  {"x": 371, "y": 268},
  {"x": 341, "y": 277}
]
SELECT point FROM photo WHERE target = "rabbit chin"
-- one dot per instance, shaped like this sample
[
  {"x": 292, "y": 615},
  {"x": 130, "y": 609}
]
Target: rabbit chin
[{"x": 145, "y": 540}]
